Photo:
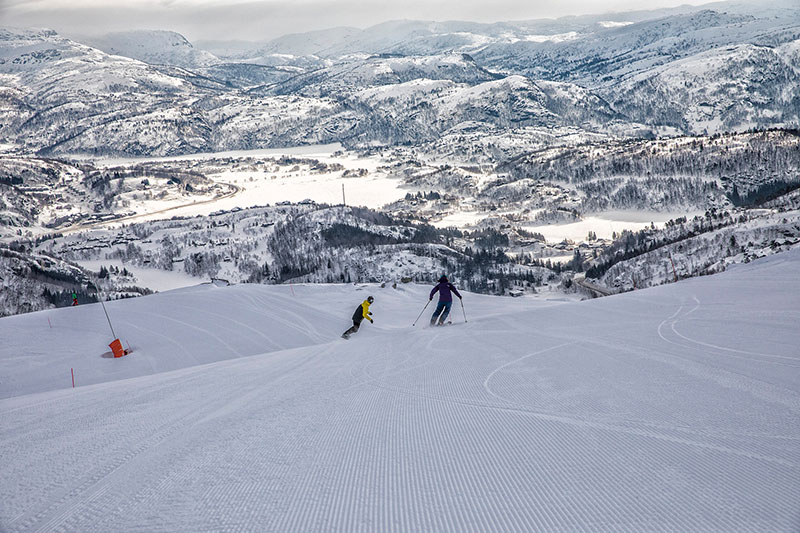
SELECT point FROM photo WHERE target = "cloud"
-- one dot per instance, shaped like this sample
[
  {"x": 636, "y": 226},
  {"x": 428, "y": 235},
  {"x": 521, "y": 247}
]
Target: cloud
[{"x": 264, "y": 20}]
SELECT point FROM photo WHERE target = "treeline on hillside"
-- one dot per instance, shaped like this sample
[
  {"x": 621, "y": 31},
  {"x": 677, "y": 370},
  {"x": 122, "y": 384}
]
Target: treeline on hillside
[
  {"x": 494, "y": 272},
  {"x": 633, "y": 244},
  {"x": 32, "y": 282},
  {"x": 647, "y": 193},
  {"x": 745, "y": 159},
  {"x": 320, "y": 244},
  {"x": 303, "y": 249},
  {"x": 763, "y": 193},
  {"x": 65, "y": 299}
]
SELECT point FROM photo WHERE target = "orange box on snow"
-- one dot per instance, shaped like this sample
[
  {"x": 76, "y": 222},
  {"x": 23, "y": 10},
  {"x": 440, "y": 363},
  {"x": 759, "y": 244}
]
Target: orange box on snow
[{"x": 116, "y": 348}]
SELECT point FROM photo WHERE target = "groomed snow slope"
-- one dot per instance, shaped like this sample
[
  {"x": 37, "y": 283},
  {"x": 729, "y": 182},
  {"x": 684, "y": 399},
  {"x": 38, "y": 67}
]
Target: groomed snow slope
[{"x": 669, "y": 409}]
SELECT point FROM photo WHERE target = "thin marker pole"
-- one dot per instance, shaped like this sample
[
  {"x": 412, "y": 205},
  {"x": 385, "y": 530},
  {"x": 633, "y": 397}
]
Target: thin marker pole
[
  {"x": 109, "y": 320},
  {"x": 102, "y": 298},
  {"x": 72, "y": 371}
]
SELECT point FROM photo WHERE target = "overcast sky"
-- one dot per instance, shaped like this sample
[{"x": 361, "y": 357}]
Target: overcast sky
[{"x": 267, "y": 19}]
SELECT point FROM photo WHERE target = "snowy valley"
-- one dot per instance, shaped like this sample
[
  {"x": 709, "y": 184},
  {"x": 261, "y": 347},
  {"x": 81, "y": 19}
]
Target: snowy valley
[{"x": 469, "y": 160}]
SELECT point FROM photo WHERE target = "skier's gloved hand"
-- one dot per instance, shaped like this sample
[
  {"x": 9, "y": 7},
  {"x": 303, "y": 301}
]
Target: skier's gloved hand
[{"x": 371, "y": 321}]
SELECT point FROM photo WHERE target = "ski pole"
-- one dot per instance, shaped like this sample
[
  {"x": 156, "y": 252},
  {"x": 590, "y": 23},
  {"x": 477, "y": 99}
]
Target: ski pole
[
  {"x": 420, "y": 313},
  {"x": 462, "y": 309}
]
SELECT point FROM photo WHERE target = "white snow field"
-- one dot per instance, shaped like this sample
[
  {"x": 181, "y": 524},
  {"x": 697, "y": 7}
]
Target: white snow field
[{"x": 675, "y": 408}]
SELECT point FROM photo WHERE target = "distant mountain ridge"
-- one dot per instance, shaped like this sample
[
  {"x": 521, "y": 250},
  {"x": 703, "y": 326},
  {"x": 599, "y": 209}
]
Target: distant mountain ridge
[
  {"x": 667, "y": 72},
  {"x": 156, "y": 47}
]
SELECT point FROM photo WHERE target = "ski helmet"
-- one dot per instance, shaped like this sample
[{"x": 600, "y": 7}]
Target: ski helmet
[
  {"x": 370, "y": 299},
  {"x": 442, "y": 279}
]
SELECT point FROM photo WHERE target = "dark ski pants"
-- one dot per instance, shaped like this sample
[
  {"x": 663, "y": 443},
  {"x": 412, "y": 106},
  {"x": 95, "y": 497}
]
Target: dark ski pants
[
  {"x": 442, "y": 309},
  {"x": 356, "y": 325}
]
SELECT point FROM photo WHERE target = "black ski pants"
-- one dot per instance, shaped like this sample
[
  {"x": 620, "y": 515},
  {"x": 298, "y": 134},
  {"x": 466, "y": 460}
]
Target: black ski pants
[{"x": 356, "y": 325}]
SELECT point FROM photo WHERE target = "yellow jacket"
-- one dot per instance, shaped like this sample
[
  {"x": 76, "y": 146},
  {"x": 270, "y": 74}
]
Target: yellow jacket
[{"x": 365, "y": 309}]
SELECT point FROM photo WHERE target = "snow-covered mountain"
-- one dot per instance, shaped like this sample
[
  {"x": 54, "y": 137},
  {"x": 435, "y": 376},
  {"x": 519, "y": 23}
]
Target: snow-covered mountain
[
  {"x": 371, "y": 71},
  {"x": 607, "y": 55},
  {"x": 76, "y": 98},
  {"x": 673, "y": 408},
  {"x": 81, "y": 100},
  {"x": 423, "y": 109},
  {"x": 725, "y": 89},
  {"x": 156, "y": 47},
  {"x": 427, "y": 37},
  {"x": 410, "y": 82}
]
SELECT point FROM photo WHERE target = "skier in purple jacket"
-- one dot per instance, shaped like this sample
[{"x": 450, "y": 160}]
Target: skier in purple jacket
[{"x": 445, "y": 300}]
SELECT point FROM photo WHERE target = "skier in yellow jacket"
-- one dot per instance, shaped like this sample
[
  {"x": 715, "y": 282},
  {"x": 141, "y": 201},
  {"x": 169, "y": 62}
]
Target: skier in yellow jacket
[{"x": 362, "y": 312}]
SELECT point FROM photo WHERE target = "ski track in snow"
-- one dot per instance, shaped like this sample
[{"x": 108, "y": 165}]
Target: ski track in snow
[
  {"x": 591, "y": 416},
  {"x": 726, "y": 349},
  {"x": 501, "y": 367},
  {"x": 712, "y": 360}
]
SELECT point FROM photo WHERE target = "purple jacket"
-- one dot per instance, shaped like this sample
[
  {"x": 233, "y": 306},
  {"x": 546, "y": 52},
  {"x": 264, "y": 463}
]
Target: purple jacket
[{"x": 444, "y": 288}]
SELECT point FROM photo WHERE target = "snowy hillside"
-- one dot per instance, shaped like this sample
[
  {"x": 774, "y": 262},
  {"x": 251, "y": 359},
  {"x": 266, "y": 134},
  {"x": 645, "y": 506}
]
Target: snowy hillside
[
  {"x": 674, "y": 408},
  {"x": 725, "y": 89},
  {"x": 154, "y": 47},
  {"x": 75, "y": 98},
  {"x": 683, "y": 71},
  {"x": 353, "y": 74},
  {"x": 605, "y": 55},
  {"x": 518, "y": 228},
  {"x": 427, "y": 37}
]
